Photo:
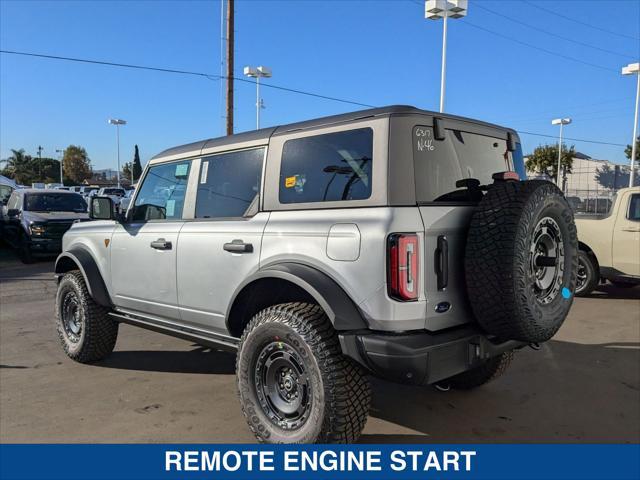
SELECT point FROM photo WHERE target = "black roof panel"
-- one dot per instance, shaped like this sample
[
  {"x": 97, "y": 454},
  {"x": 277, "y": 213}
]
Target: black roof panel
[{"x": 265, "y": 133}]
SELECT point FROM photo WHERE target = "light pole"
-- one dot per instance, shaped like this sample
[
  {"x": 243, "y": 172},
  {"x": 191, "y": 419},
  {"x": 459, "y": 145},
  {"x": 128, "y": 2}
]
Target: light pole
[
  {"x": 117, "y": 122},
  {"x": 258, "y": 73},
  {"x": 634, "y": 69},
  {"x": 562, "y": 122},
  {"x": 61, "y": 153},
  {"x": 435, "y": 9}
]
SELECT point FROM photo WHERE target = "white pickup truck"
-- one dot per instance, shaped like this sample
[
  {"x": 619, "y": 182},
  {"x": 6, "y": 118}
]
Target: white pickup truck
[{"x": 610, "y": 244}]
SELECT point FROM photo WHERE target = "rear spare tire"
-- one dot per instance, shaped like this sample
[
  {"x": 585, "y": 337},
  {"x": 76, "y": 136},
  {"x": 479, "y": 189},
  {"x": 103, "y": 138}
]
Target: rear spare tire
[{"x": 521, "y": 260}]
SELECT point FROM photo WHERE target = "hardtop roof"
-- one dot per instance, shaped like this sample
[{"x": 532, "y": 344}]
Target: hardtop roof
[{"x": 196, "y": 148}]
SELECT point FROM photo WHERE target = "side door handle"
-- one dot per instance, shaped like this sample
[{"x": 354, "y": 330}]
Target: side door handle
[
  {"x": 161, "y": 244},
  {"x": 238, "y": 246},
  {"x": 631, "y": 229}
]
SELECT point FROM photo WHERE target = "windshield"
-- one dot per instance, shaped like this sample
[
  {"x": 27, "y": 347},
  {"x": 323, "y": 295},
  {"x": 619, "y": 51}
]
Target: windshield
[{"x": 54, "y": 202}]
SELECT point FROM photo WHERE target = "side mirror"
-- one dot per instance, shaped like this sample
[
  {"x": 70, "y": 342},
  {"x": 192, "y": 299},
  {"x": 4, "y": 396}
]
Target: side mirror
[
  {"x": 101, "y": 208},
  {"x": 13, "y": 212}
]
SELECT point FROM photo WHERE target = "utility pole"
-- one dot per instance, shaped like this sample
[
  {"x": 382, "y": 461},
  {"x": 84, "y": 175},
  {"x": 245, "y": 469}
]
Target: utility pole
[
  {"x": 634, "y": 69},
  {"x": 40, "y": 162},
  {"x": 223, "y": 42},
  {"x": 61, "y": 153},
  {"x": 230, "y": 34}
]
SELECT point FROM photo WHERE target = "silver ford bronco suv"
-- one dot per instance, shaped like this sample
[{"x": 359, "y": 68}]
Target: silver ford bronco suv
[{"x": 394, "y": 242}]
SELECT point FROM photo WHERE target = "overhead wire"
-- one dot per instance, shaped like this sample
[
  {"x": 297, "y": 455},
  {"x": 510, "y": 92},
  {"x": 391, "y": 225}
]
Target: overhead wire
[
  {"x": 579, "y": 22},
  {"x": 219, "y": 77}
]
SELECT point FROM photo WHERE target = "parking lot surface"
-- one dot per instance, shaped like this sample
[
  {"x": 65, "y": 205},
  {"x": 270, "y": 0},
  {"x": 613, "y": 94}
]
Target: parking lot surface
[{"x": 583, "y": 386}]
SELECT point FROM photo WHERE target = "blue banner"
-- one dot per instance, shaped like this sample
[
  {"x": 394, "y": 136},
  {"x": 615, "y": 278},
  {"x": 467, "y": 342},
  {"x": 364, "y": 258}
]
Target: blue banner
[{"x": 326, "y": 462}]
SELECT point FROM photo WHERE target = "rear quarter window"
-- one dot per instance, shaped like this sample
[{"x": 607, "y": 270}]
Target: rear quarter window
[{"x": 327, "y": 168}]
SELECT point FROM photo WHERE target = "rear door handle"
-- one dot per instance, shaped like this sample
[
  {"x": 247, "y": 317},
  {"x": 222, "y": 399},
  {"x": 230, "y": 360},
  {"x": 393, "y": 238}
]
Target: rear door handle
[
  {"x": 161, "y": 244},
  {"x": 238, "y": 246},
  {"x": 442, "y": 262},
  {"x": 631, "y": 229}
]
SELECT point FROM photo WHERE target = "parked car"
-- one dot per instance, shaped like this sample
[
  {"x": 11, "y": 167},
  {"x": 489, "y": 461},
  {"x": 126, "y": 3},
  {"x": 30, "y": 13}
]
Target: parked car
[
  {"x": 6, "y": 187},
  {"x": 115, "y": 194},
  {"x": 394, "y": 241},
  {"x": 37, "y": 219},
  {"x": 610, "y": 245},
  {"x": 125, "y": 201},
  {"x": 88, "y": 192}
]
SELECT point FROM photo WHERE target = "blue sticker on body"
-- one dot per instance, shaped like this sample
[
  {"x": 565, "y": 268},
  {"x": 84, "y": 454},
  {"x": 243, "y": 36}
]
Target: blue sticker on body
[{"x": 566, "y": 293}]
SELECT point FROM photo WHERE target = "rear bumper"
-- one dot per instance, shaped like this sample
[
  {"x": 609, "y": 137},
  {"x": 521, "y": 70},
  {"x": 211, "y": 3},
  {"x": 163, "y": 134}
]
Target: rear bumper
[{"x": 423, "y": 357}]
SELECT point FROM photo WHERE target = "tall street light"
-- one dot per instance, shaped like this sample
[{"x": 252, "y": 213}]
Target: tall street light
[
  {"x": 117, "y": 122},
  {"x": 562, "y": 122},
  {"x": 435, "y": 9},
  {"x": 61, "y": 153},
  {"x": 634, "y": 69},
  {"x": 258, "y": 73}
]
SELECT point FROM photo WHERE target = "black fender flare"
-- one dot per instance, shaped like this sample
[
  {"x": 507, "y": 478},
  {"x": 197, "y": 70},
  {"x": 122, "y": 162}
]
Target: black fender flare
[
  {"x": 342, "y": 312},
  {"x": 85, "y": 262}
]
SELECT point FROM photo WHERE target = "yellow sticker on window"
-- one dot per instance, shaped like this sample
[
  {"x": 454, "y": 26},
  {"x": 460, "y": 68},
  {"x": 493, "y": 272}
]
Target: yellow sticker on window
[{"x": 290, "y": 182}]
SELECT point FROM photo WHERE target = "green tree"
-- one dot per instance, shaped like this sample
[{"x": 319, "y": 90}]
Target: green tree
[
  {"x": 137, "y": 166},
  {"x": 19, "y": 166},
  {"x": 76, "y": 163},
  {"x": 126, "y": 171},
  {"x": 612, "y": 178},
  {"x": 544, "y": 160},
  {"x": 627, "y": 151}
]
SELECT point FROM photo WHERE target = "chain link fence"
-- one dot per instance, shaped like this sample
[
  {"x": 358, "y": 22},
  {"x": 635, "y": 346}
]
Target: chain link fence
[{"x": 592, "y": 185}]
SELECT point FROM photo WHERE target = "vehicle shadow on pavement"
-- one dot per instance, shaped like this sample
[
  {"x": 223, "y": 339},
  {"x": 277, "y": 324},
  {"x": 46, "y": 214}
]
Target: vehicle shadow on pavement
[
  {"x": 571, "y": 393},
  {"x": 199, "y": 360},
  {"x": 12, "y": 269},
  {"x": 611, "y": 292}
]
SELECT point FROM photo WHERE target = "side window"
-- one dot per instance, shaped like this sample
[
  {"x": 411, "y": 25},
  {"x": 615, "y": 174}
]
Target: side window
[
  {"x": 229, "y": 183},
  {"x": 327, "y": 168},
  {"x": 634, "y": 208},
  {"x": 162, "y": 193},
  {"x": 13, "y": 201}
]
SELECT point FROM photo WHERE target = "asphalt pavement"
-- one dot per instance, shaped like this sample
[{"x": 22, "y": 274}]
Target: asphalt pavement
[{"x": 582, "y": 386}]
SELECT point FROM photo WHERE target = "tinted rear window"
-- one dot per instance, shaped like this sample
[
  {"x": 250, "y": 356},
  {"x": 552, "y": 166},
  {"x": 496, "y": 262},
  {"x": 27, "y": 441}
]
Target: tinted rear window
[
  {"x": 327, "y": 168},
  {"x": 440, "y": 163}
]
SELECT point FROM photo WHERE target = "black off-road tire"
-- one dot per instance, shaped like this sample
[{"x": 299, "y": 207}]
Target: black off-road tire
[
  {"x": 476, "y": 377},
  {"x": 337, "y": 388},
  {"x": 96, "y": 332},
  {"x": 588, "y": 270},
  {"x": 499, "y": 262}
]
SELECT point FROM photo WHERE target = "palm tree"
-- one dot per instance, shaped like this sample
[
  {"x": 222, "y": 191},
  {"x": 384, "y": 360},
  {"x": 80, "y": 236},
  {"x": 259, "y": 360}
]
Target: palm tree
[{"x": 19, "y": 166}]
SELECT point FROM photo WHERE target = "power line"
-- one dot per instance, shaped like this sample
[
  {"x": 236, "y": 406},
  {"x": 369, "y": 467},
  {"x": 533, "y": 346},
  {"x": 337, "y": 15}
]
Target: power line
[
  {"x": 535, "y": 47},
  {"x": 566, "y": 17},
  {"x": 209, "y": 76},
  {"x": 218, "y": 77},
  {"x": 533, "y": 27},
  {"x": 574, "y": 139}
]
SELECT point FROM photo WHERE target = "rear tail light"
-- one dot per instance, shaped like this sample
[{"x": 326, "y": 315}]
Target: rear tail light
[{"x": 402, "y": 266}]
